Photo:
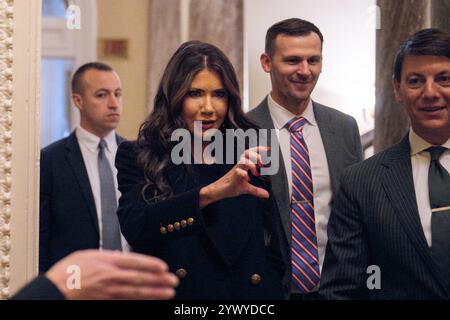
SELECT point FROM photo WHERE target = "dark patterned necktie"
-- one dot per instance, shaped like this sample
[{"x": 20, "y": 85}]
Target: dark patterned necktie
[
  {"x": 439, "y": 190},
  {"x": 110, "y": 222}
]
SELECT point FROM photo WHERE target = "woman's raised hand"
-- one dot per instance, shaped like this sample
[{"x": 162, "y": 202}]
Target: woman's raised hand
[{"x": 237, "y": 180}]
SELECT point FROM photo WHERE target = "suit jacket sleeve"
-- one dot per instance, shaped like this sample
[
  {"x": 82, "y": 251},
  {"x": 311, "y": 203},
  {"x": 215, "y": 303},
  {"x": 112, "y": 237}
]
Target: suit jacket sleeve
[
  {"x": 40, "y": 288},
  {"x": 140, "y": 220},
  {"x": 357, "y": 141},
  {"x": 347, "y": 254},
  {"x": 45, "y": 205}
]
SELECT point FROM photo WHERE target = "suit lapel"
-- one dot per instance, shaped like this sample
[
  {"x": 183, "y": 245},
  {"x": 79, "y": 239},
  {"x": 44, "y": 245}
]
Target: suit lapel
[
  {"x": 398, "y": 182},
  {"x": 75, "y": 159},
  {"x": 119, "y": 139},
  {"x": 330, "y": 144}
]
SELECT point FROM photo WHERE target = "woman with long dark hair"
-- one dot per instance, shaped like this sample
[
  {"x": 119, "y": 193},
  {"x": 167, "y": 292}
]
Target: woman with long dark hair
[{"x": 214, "y": 224}]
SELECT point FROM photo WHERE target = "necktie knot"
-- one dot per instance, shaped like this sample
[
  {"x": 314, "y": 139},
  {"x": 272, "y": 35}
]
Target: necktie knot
[
  {"x": 296, "y": 124},
  {"x": 102, "y": 144},
  {"x": 436, "y": 152}
]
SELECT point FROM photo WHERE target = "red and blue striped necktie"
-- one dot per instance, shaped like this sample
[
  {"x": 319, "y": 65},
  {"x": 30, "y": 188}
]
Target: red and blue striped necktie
[{"x": 304, "y": 253}]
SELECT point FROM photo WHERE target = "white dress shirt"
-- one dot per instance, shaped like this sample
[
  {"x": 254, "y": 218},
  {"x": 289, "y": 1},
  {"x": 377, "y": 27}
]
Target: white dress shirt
[
  {"x": 89, "y": 149},
  {"x": 319, "y": 165},
  {"x": 420, "y": 161}
]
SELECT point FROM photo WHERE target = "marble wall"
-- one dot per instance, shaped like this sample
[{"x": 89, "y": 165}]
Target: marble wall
[
  {"x": 440, "y": 14},
  {"x": 220, "y": 23},
  {"x": 165, "y": 37}
]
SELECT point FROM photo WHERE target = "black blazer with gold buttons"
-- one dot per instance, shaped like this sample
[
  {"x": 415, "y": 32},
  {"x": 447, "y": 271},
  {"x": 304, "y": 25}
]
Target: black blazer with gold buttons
[{"x": 227, "y": 250}]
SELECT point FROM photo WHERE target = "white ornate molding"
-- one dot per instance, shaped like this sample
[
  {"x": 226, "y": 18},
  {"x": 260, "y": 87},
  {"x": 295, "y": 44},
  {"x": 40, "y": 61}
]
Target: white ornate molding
[
  {"x": 6, "y": 94},
  {"x": 20, "y": 43}
]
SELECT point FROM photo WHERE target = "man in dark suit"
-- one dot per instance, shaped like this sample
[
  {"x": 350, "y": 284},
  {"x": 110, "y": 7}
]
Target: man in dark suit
[
  {"x": 78, "y": 188},
  {"x": 316, "y": 144},
  {"x": 389, "y": 230}
]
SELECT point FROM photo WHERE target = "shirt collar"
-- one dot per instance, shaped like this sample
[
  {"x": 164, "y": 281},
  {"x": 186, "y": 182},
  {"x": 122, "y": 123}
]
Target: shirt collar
[
  {"x": 281, "y": 116},
  {"x": 418, "y": 144},
  {"x": 91, "y": 141}
]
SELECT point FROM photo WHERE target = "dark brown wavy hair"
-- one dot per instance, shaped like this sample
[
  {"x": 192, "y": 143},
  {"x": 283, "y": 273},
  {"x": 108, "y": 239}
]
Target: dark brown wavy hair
[{"x": 154, "y": 144}]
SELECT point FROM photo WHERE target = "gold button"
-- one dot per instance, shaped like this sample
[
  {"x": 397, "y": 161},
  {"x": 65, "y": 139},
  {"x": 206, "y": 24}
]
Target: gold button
[
  {"x": 176, "y": 225},
  {"x": 183, "y": 223},
  {"x": 181, "y": 273},
  {"x": 255, "y": 279},
  {"x": 163, "y": 230},
  {"x": 190, "y": 221},
  {"x": 170, "y": 227}
]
